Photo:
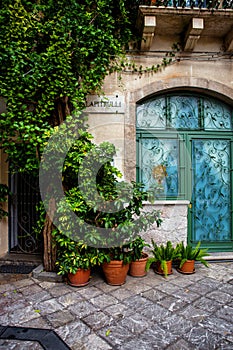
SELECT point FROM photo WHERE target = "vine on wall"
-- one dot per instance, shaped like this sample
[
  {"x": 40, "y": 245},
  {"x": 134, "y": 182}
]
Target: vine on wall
[{"x": 52, "y": 55}]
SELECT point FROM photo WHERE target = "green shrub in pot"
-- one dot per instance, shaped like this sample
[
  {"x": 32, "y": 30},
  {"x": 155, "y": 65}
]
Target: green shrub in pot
[
  {"x": 162, "y": 254},
  {"x": 188, "y": 253},
  {"x": 109, "y": 211}
]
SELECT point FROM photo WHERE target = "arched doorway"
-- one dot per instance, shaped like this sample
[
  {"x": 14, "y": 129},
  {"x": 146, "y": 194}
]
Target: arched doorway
[{"x": 184, "y": 151}]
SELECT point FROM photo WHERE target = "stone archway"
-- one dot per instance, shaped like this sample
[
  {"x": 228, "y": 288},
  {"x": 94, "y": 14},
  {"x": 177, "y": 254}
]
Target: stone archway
[{"x": 199, "y": 85}]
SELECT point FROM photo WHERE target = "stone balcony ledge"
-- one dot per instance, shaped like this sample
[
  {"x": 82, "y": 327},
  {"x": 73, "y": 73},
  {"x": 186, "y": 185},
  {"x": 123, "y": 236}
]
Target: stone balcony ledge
[{"x": 188, "y": 24}]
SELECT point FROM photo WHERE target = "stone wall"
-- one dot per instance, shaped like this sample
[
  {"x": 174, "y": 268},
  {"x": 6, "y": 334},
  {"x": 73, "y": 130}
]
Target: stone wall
[{"x": 174, "y": 224}]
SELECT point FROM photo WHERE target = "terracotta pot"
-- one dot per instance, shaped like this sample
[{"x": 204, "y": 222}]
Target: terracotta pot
[
  {"x": 160, "y": 271},
  {"x": 188, "y": 267},
  {"x": 80, "y": 278},
  {"x": 138, "y": 268},
  {"x": 115, "y": 272}
]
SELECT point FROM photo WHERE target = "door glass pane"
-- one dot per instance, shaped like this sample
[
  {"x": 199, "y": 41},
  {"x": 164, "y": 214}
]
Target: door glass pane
[
  {"x": 159, "y": 166},
  {"x": 152, "y": 114},
  {"x": 211, "y": 190},
  {"x": 217, "y": 116},
  {"x": 184, "y": 112}
]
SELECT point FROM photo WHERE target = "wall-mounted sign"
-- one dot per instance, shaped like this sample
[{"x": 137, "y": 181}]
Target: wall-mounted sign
[{"x": 105, "y": 104}]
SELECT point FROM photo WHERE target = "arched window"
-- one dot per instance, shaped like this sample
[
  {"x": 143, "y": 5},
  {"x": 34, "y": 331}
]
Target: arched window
[{"x": 164, "y": 125}]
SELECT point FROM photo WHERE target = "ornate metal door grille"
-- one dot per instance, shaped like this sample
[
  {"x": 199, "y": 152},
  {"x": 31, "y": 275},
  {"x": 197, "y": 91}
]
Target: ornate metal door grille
[
  {"x": 159, "y": 165},
  {"x": 211, "y": 190},
  {"x": 25, "y": 197}
]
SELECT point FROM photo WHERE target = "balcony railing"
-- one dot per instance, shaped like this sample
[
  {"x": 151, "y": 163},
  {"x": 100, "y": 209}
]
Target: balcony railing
[
  {"x": 208, "y": 4},
  {"x": 192, "y": 22}
]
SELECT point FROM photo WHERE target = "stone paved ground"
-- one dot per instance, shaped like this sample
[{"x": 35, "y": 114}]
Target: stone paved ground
[{"x": 182, "y": 312}]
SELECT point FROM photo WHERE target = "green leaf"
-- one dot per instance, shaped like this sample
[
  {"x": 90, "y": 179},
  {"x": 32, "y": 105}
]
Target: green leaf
[{"x": 108, "y": 332}]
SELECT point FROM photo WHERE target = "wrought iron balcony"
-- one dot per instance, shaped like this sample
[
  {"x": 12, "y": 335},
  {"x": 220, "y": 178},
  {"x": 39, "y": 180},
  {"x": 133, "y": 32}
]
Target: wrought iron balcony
[
  {"x": 208, "y": 4},
  {"x": 202, "y": 25}
]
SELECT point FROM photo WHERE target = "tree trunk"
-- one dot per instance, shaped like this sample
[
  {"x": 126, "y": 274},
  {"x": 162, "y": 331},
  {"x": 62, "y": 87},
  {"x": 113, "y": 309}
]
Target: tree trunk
[
  {"x": 62, "y": 110},
  {"x": 49, "y": 244}
]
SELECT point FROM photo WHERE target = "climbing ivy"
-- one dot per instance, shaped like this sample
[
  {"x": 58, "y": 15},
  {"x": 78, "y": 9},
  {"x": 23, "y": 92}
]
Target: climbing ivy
[{"x": 52, "y": 54}]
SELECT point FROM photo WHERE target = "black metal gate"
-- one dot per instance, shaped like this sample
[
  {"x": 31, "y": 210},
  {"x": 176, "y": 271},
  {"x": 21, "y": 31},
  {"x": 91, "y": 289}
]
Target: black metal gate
[{"x": 23, "y": 215}]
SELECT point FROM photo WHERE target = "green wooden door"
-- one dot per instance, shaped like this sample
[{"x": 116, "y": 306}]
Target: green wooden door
[{"x": 210, "y": 219}]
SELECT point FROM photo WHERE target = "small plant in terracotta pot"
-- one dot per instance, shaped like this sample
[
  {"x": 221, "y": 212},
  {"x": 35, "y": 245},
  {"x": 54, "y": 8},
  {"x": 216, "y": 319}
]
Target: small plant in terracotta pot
[
  {"x": 163, "y": 255},
  {"x": 75, "y": 259},
  {"x": 116, "y": 266},
  {"x": 139, "y": 257},
  {"x": 188, "y": 255}
]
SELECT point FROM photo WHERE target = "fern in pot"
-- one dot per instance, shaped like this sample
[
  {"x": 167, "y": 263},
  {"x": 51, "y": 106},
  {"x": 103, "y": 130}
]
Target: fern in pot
[
  {"x": 162, "y": 258},
  {"x": 187, "y": 256}
]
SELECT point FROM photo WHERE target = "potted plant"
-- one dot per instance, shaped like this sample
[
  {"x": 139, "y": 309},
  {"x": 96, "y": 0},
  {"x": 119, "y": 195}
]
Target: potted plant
[
  {"x": 116, "y": 266},
  {"x": 114, "y": 211},
  {"x": 126, "y": 224},
  {"x": 187, "y": 256},
  {"x": 98, "y": 210},
  {"x": 163, "y": 256},
  {"x": 139, "y": 257},
  {"x": 75, "y": 259}
]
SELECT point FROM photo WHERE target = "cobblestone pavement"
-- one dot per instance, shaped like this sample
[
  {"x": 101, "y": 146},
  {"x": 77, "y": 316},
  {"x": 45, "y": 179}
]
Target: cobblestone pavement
[{"x": 182, "y": 312}]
